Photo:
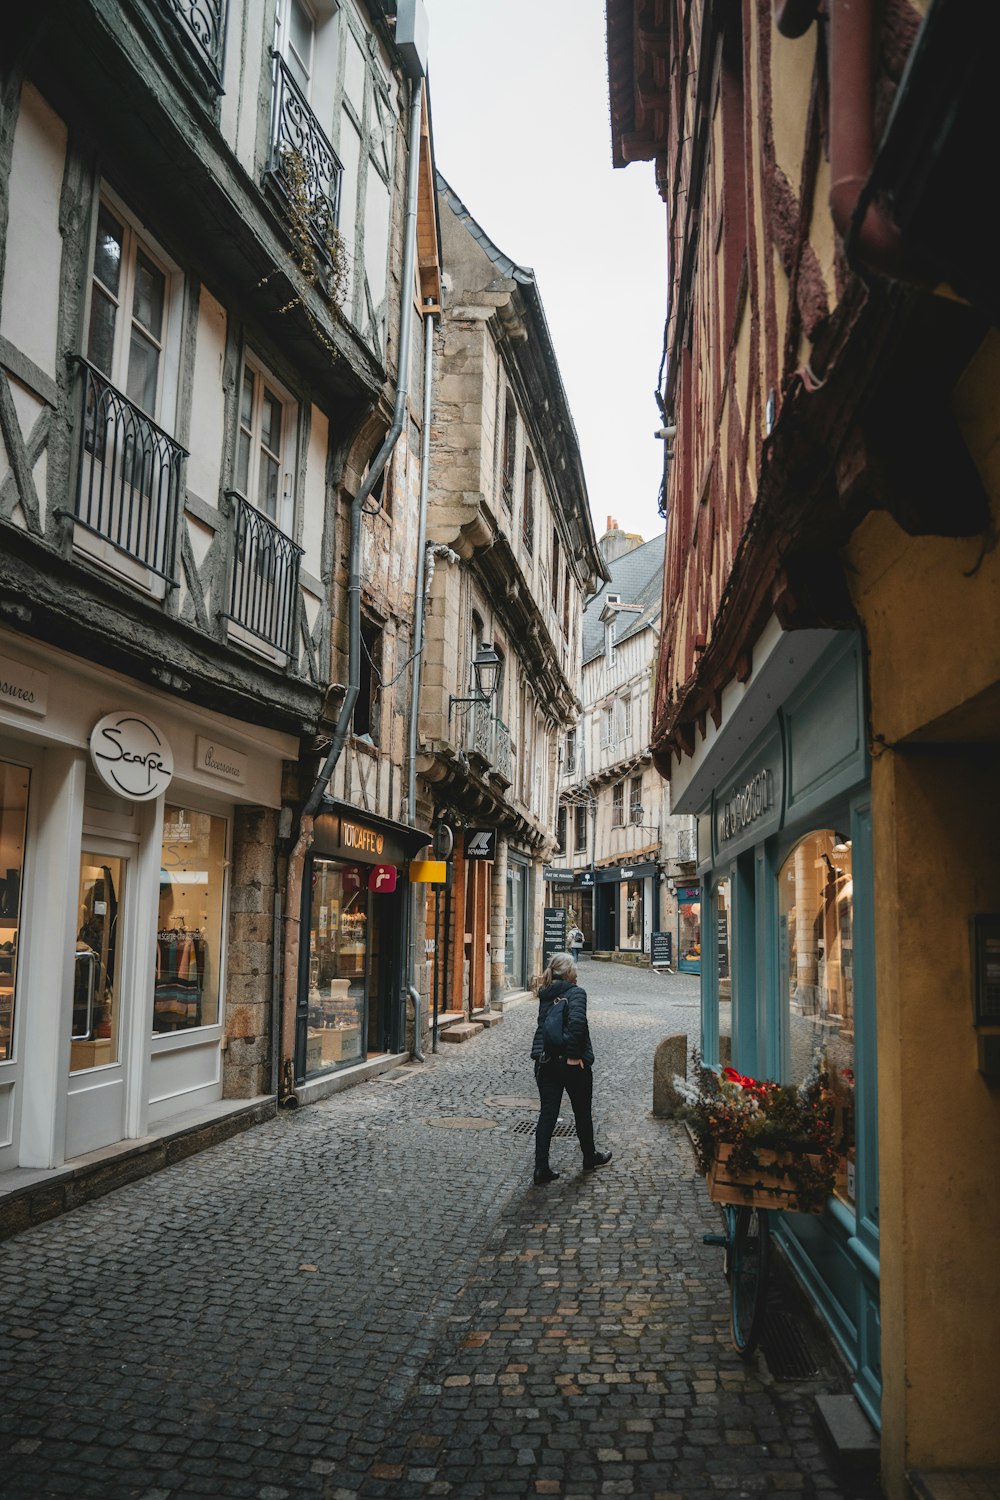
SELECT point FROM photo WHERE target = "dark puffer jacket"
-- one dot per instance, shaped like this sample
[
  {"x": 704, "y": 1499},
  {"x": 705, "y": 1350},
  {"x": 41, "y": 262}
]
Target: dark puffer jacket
[{"x": 578, "y": 1032}]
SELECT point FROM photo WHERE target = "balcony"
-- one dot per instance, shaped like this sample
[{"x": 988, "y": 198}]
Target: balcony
[
  {"x": 303, "y": 166},
  {"x": 265, "y": 592},
  {"x": 489, "y": 738},
  {"x": 203, "y": 23},
  {"x": 128, "y": 485}
]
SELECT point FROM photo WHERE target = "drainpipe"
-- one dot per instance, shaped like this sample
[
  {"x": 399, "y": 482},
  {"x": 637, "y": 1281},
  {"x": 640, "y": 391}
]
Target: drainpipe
[
  {"x": 418, "y": 648},
  {"x": 311, "y": 806},
  {"x": 867, "y": 231}
]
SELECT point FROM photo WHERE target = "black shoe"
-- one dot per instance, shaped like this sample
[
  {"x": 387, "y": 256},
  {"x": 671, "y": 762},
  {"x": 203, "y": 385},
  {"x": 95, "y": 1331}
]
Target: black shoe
[
  {"x": 544, "y": 1176},
  {"x": 599, "y": 1159}
]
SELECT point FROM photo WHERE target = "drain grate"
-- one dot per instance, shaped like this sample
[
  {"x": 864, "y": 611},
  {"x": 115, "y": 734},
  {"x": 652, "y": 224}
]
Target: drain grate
[
  {"x": 785, "y": 1349},
  {"x": 561, "y": 1132}
]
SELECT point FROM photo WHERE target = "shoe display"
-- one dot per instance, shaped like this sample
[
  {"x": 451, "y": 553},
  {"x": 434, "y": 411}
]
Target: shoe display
[
  {"x": 599, "y": 1159},
  {"x": 547, "y": 1175}
]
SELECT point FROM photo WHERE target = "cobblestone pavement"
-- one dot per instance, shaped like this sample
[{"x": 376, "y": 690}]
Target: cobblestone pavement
[{"x": 368, "y": 1297}]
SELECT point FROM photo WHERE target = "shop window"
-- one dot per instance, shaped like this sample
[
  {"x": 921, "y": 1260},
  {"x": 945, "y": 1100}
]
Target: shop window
[
  {"x": 816, "y": 969},
  {"x": 338, "y": 946},
  {"x": 581, "y": 830},
  {"x": 689, "y": 928},
  {"x": 13, "y": 818},
  {"x": 189, "y": 936},
  {"x": 723, "y": 931},
  {"x": 633, "y": 914}
]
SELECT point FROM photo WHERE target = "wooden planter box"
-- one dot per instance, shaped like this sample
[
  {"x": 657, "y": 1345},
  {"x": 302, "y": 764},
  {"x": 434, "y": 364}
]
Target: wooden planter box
[{"x": 764, "y": 1186}]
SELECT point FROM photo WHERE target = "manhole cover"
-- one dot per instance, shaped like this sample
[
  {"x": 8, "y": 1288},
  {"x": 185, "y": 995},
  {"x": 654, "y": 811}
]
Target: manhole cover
[
  {"x": 785, "y": 1349},
  {"x": 512, "y": 1101},
  {"x": 462, "y": 1122},
  {"x": 527, "y": 1127}
]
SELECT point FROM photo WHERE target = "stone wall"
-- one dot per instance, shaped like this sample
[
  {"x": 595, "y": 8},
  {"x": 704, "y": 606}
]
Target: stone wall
[{"x": 249, "y": 978}]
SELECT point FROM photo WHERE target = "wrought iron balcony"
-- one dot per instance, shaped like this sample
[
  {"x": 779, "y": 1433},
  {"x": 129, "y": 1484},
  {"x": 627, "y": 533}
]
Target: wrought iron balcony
[
  {"x": 303, "y": 165},
  {"x": 265, "y": 592},
  {"x": 204, "y": 24},
  {"x": 128, "y": 486},
  {"x": 489, "y": 738}
]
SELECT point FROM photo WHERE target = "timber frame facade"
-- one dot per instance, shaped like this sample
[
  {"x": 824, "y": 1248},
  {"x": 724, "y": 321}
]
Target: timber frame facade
[{"x": 830, "y": 670}]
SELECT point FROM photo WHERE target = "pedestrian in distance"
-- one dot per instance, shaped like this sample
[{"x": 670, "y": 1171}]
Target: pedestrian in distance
[
  {"x": 575, "y": 941},
  {"x": 564, "y": 1060}
]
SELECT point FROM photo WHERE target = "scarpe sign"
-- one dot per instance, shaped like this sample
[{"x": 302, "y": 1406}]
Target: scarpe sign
[{"x": 131, "y": 756}]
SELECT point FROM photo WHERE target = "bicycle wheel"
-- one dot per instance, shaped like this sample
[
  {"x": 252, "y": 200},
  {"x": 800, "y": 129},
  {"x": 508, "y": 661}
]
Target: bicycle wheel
[{"x": 749, "y": 1255}]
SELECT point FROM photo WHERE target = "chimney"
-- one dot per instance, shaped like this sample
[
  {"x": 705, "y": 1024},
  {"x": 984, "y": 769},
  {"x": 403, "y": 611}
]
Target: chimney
[{"x": 612, "y": 524}]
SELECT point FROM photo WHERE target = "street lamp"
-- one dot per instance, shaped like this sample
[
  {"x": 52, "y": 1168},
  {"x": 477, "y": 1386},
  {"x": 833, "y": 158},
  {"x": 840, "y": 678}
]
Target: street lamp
[{"x": 486, "y": 665}]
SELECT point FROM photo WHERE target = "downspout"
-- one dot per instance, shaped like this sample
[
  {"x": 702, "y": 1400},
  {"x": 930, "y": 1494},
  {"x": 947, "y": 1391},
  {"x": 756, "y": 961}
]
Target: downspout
[
  {"x": 866, "y": 230},
  {"x": 415, "y": 670},
  {"x": 311, "y": 806}
]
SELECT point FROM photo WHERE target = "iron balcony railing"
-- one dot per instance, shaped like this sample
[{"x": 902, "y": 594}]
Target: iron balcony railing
[
  {"x": 303, "y": 165},
  {"x": 265, "y": 592},
  {"x": 128, "y": 487},
  {"x": 490, "y": 739},
  {"x": 204, "y": 23}
]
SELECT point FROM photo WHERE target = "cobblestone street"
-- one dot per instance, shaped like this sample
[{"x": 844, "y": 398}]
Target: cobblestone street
[{"x": 368, "y": 1297}]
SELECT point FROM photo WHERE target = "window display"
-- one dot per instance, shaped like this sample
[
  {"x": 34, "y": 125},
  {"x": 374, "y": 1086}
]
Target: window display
[
  {"x": 13, "y": 817},
  {"x": 816, "y": 933},
  {"x": 190, "y": 926},
  {"x": 338, "y": 946},
  {"x": 95, "y": 1039},
  {"x": 689, "y": 928},
  {"x": 722, "y": 938}
]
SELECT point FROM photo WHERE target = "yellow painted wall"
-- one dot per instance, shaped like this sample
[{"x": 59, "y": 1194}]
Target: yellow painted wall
[{"x": 930, "y": 608}]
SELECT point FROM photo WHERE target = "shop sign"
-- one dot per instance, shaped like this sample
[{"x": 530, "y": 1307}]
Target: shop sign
[
  {"x": 626, "y": 872},
  {"x": 361, "y": 839},
  {"x": 428, "y": 871},
  {"x": 662, "y": 948},
  {"x": 219, "y": 760},
  {"x": 480, "y": 843},
  {"x": 382, "y": 879},
  {"x": 131, "y": 756},
  {"x": 559, "y": 877},
  {"x": 22, "y": 687},
  {"x": 587, "y": 878},
  {"x": 553, "y": 932},
  {"x": 745, "y": 804}
]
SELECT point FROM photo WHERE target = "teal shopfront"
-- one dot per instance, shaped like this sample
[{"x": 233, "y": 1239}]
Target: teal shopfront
[{"x": 787, "y": 934}]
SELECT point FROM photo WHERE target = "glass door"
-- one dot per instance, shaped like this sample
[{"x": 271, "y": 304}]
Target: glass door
[{"x": 98, "y": 987}]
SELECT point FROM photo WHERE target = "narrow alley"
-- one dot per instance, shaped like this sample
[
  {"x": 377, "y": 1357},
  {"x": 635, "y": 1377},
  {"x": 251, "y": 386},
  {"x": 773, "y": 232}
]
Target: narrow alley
[{"x": 368, "y": 1297}]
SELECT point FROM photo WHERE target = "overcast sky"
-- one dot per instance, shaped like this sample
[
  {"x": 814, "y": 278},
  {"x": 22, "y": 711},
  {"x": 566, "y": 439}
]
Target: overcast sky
[{"x": 519, "y": 100}]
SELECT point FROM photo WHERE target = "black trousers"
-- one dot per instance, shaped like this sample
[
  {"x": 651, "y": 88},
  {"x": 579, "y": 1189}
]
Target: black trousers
[{"x": 552, "y": 1078}]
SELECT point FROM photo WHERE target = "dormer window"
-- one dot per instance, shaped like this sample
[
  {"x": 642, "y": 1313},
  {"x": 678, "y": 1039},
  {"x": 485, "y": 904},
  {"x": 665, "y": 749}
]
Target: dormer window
[{"x": 609, "y": 642}]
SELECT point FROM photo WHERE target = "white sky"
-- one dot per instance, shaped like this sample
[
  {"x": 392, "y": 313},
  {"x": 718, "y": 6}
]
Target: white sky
[{"x": 519, "y": 102}]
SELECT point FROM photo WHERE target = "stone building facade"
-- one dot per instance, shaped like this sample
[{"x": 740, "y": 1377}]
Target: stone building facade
[{"x": 514, "y": 559}]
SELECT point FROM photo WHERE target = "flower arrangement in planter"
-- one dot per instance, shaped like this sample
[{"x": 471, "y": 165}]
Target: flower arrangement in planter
[{"x": 763, "y": 1144}]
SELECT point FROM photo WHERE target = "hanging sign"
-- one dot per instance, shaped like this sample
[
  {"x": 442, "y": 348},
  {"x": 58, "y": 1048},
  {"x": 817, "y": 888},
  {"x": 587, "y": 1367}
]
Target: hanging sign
[
  {"x": 428, "y": 871},
  {"x": 131, "y": 756},
  {"x": 480, "y": 843},
  {"x": 382, "y": 879}
]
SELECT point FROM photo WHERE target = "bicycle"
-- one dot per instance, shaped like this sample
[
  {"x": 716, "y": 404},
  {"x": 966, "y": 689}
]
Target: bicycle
[{"x": 747, "y": 1243}]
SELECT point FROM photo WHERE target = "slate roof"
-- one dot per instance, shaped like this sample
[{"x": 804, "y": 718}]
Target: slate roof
[{"x": 637, "y": 578}]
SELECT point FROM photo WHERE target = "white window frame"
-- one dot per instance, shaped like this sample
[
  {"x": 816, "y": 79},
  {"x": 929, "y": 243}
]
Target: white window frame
[
  {"x": 284, "y": 518},
  {"x": 618, "y": 805}
]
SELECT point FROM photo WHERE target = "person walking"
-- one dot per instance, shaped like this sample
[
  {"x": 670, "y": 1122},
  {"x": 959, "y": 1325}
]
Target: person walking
[
  {"x": 564, "y": 1059},
  {"x": 575, "y": 941}
]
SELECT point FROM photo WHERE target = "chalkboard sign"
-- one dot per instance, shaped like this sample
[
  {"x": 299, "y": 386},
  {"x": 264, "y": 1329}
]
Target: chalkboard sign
[
  {"x": 723, "y": 923},
  {"x": 553, "y": 932},
  {"x": 663, "y": 948}
]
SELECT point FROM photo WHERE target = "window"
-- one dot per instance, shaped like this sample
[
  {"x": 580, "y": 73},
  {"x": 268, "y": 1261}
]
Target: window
[
  {"x": 129, "y": 299},
  {"x": 528, "y": 505},
  {"x": 296, "y": 44},
  {"x": 635, "y": 800},
  {"x": 570, "y": 751},
  {"x": 509, "y": 448},
  {"x": 626, "y": 715},
  {"x": 561, "y": 829},
  {"x": 554, "y": 585},
  {"x": 609, "y": 643},
  {"x": 13, "y": 820},
  {"x": 581, "y": 829},
  {"x": 367, "y": 708},
  {"x": 189, "y": 936},
  {"x": 265, "y": 452},
  {"x": 618, "y": 805},
  {"x": 566, "y": 603},
  {"x": 816, "y": 972},
  {"x": 608, "y": 725},
  {"x": 364, "y": 140}
]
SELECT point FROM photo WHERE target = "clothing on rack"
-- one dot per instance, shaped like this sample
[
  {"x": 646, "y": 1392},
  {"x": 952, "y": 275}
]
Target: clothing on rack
[{"x": 181, "y": 975}]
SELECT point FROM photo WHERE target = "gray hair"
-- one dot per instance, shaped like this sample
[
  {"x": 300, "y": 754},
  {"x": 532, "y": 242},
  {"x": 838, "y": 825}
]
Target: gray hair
[{"x": 561, "y": 969}]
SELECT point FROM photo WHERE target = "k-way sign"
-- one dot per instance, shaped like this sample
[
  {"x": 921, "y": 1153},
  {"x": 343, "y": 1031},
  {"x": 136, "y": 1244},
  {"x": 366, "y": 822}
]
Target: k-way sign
[{"x": 480, "y": 843}]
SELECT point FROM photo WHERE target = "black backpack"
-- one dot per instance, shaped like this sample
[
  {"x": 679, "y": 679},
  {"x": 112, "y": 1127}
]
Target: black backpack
[{"x": 555, "y": 1035}]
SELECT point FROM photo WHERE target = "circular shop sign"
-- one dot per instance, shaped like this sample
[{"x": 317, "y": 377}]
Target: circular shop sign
[{"x": 131, "y": 756}]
